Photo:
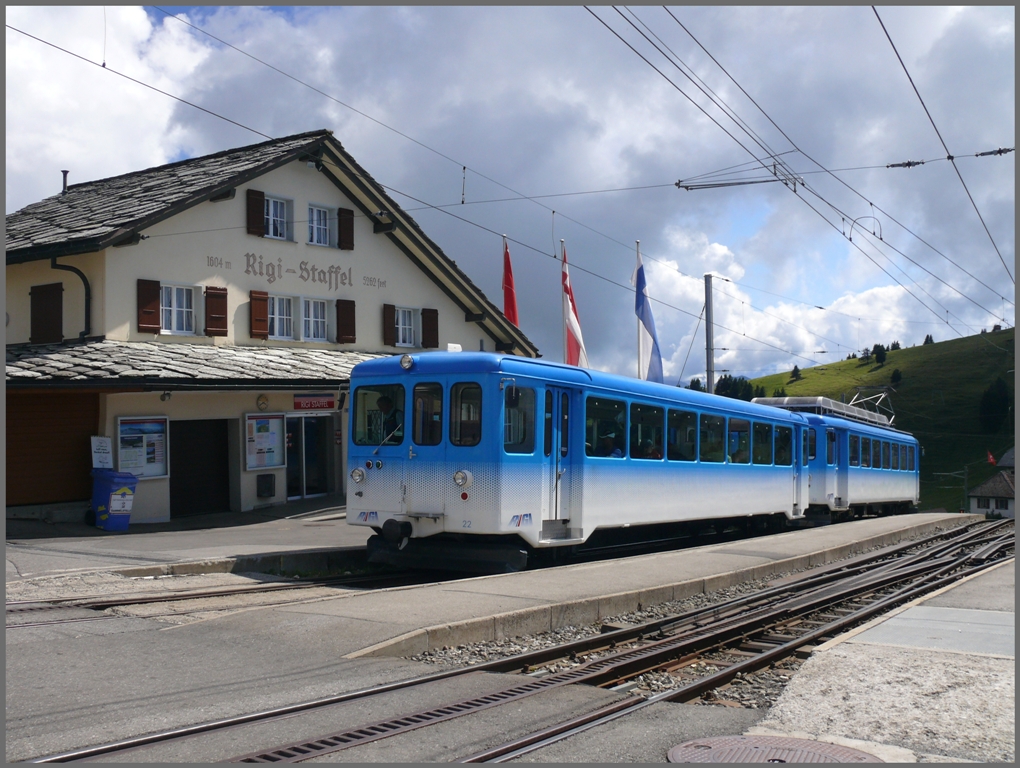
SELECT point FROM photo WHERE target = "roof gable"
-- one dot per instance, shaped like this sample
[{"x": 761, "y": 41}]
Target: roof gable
[{"x": 97, "y": 214}]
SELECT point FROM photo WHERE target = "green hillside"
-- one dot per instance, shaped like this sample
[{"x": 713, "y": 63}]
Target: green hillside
[{"x": 936, "y": 400}]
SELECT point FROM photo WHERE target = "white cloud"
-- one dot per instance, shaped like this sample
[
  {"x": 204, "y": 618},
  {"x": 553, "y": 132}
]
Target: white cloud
[{"x": 545, "y": 100}]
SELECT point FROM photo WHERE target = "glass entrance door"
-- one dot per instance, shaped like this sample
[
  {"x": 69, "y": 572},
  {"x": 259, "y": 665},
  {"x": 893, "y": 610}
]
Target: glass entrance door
[{"x": 308, "y": 456}]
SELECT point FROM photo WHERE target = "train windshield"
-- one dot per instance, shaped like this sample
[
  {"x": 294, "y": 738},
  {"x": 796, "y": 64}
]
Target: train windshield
[{"x": 379, "y": 415}]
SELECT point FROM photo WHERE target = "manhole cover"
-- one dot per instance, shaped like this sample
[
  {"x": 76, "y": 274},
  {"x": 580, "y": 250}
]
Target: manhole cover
[{"x": 765, "y": 749}]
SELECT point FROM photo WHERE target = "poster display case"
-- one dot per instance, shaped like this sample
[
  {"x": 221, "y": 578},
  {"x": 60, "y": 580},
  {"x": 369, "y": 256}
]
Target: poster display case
[
  {"x": 264, "y": 436},
  {"x": 142, "y": 447}
]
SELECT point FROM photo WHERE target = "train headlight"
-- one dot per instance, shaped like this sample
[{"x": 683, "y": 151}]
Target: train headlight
[
  {"x": 406, "y": 361},
  {"x": 462, "y": 478},
  {"x": 357, "y": 474}
]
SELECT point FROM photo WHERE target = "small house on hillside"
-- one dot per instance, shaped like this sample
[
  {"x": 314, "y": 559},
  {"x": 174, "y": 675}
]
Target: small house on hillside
[{"x": 997, "y": 495}]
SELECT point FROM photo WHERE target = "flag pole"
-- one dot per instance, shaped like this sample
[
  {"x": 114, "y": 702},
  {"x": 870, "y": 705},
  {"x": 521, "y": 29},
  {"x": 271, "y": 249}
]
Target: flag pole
[
  {"x": 638, "y": 247},
  {"x": 563, "y": 304}
]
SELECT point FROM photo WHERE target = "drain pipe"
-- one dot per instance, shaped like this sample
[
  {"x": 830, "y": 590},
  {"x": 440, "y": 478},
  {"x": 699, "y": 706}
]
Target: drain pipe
[{"x": 88, "y": 295}]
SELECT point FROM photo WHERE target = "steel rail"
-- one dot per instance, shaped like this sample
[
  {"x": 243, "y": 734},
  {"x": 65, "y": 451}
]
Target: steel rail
[
  {"x": 523, "y": 661},
  {"x": 574, "y": 726},
  {"x": 105, "y": 601},
  {"x": 601, "y": 671}
]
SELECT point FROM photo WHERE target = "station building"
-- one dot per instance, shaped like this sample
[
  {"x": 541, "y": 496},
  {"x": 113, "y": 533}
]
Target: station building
[{"x": 205, "y": 315}]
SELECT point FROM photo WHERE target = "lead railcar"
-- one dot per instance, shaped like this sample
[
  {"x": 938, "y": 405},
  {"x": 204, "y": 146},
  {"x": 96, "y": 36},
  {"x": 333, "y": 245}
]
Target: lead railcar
[{"x": 476, "y": 461}]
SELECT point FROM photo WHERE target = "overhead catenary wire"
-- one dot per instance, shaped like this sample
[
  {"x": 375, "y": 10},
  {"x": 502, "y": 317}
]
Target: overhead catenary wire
[
  {"x": 949, "y": 155},
  {"x": 822, "y": 167},
  {"x": 210, "y": 112},
  {"x": 743, "y": 146}
]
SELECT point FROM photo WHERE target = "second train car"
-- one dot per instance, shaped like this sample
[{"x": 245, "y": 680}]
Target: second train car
[{"x": 476, "y": 461}]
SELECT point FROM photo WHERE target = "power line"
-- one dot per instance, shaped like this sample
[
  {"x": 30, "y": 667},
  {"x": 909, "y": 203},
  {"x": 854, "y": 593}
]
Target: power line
[
  {"x": 949, "y": 155},
  {"x": 822, "y": 167},
  {"x": 745, "y": 148}
]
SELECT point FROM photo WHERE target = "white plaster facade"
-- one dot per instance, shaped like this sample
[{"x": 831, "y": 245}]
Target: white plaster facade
[{"x": 207, "y": 244}]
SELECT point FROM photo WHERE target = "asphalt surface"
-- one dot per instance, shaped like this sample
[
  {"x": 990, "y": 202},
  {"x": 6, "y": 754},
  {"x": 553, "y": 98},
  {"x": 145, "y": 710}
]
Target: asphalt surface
[{"x": 88, "y": 683}]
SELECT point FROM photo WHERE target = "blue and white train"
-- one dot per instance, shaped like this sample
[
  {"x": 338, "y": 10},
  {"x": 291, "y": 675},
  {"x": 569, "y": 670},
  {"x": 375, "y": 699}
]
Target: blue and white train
[{"x": 477, "y": 461}]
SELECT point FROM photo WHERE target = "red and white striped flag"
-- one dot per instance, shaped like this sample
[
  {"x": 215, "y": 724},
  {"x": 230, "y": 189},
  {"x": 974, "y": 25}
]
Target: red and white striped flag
[
  {"x": 573, "y": 353},
  {"x": 509, "y": 292}
]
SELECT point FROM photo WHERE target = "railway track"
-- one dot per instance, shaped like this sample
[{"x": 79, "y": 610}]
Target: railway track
[
  {"x": 71, "y": 607},
  {"x": 751, "y": 632}
]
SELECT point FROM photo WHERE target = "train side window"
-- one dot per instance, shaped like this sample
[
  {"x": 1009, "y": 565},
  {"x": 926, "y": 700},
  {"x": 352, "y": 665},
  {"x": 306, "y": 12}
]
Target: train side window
[
  {"x": 855, "y": 450},
  {"x": 646, "y": 431},
  {"x": 784, "y": 446},
  {"x": 739, "y": 446},
  {"x": 713, "y": 437},
  {"x": 379, "y": 414},
  {"x": 427, "y": 424},
  {"x": 903, "y": 457},
  {"x": 885, "y": 454},
  {"x": 519, "y": 421},
  {"x": 910, "y": 458},
  {"x": 682, "y": 434},
  {"x": 895, "y": 457},
  {"x": 830, "y": 446},
  {"x": 812, "y": 443},
  {"x": 466, "y": 414},
  {"x": 605, "y": 427},
  {"x": 761, "y": 443},
  {"x": 876, "y": 454},
  {"x": 865, "y": 451}
]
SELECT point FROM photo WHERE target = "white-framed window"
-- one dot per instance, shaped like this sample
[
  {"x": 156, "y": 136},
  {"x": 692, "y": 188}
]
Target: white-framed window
[
  {"x": 983, "y": 503},
  {"x": 1002, "y": 503},
  {"x": 314, "y": 319},
  {"x": 276, "y": 218},
  {"x": 177, "y": 309},
  {"x": 318, "y": 225},
  {"x": 406, "y": 327},
  {"x": 281, "y": 317}
]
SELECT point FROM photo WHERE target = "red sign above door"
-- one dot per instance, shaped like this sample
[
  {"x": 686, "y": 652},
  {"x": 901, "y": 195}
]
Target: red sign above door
[{"x": 316, "y": 401}]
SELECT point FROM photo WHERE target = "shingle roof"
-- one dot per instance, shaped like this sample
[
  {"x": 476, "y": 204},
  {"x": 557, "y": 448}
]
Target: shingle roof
[
  {"x": 95, "y": 214},
  {"x": 1007, "y": 459},
  {"x": 117, "y": 364},
  {"x": 998, "y": 487}
]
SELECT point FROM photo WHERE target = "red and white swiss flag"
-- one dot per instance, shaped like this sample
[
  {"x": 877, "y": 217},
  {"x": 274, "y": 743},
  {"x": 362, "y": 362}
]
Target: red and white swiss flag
[{"x": 573, "y": 353}]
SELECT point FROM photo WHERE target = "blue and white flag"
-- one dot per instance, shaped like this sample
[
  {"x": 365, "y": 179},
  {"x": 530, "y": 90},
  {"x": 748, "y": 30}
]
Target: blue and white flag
[{"x": 649, "y": 358}]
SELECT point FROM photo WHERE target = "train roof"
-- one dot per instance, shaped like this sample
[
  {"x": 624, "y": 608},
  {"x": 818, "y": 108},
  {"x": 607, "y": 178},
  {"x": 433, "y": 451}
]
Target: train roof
[{"x": 443, "y": 363}]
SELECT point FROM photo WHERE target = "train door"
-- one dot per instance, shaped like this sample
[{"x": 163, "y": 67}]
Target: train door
[
  {"x": 424, "y": 470},
  {"x": 842, "y": 469},
  {"x": 556, "y": 450},
  {"x": 801, "y": 478}
]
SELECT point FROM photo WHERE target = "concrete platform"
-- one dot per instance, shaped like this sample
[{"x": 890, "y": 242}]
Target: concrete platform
[
  {"x": 933, "y": 681},
  {"x": 297, "y": 537}
]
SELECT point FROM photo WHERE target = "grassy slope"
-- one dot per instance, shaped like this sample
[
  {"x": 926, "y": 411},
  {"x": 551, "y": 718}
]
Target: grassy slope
[{"x": 937, "y": 401}]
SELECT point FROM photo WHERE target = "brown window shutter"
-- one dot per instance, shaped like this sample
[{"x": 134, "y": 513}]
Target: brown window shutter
[
  {"x": 256, "y": 213},
  {"x": 215, "y": 311},
  {"x": 148, "y": 306},
  {"x": 47, "y": 313},
  {"x": 345, "y": 321},
  {"x": 430, "y": 328},
  {"x": 345, "y": 229},
  {"x": 389, "y": 325},
  {"x": 259, "y": 314}
]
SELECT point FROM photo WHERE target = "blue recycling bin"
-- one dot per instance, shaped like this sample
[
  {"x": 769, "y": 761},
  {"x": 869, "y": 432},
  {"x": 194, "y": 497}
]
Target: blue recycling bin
[{"x": 112, "y": 496}]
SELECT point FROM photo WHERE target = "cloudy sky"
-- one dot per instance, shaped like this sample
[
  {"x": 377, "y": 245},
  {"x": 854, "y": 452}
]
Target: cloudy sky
[{"x": 551, "y": 104}]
